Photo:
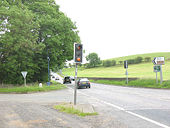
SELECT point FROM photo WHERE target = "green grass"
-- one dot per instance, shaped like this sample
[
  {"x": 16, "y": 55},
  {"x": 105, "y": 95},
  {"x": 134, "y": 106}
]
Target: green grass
[
  {"x": 149, "y": 83},
  {"x": 152, "y": 55},
  {"x": 72, "y": 110},
  {"x": 35, "y": 88},
  {"x": 143, "y": 71}
]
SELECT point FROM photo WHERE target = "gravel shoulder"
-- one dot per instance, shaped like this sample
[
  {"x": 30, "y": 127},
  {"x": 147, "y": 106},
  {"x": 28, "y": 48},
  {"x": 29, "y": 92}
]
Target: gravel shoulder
[
  {"x": 31, "y": 115},
  {"x": 36, "y": 111}
]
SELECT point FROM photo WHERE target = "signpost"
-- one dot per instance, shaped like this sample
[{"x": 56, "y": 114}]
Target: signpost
[
  {"x": 126, "y": 73},
  {"x": 158, "y": 62},
  {"x": 24, "y": 74},
  {"x": 157, "y": 68}
]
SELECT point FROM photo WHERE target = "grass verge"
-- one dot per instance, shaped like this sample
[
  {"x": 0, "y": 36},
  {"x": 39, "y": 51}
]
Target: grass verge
[
  {"x": 149, "y": 83},
  {"x": 72, "y": 110},
  {"x": 34, "y": 88}
]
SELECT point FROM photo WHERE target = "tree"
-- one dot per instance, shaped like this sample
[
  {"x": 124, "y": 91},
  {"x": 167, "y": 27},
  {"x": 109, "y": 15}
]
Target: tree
[
  {"x": 113, "y": 62},
  {"x": 147, "y": 59},
  {"x": 18, "y": 44},
  {"x": 107, "y": 63},
  {"x": 93, "y": 59},
  {"x": 31, "y": 30},
  {"x": 120, "y": 62},
  {"x": 138, "y": 60}
]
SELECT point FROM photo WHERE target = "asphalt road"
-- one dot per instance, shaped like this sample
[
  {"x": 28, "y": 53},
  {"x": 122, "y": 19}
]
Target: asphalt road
[
  {"x": 118, "y": 107},
  {"x": 133, "y": 106},
  {"x": 136, "y": 107}
]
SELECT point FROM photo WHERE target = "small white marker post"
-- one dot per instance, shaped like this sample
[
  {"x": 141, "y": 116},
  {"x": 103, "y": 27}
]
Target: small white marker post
[{"x": 24, "y": 74}]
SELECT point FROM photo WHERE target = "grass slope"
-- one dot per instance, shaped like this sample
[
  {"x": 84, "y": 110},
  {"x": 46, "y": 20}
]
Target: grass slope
[
  {"x": 152, "y": 55},
  {"x": 143, "y": 70}
]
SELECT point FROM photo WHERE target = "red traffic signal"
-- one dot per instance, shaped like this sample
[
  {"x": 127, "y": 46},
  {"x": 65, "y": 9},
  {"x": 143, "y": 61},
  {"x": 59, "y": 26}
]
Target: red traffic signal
[{"x": 78, "y": 53}]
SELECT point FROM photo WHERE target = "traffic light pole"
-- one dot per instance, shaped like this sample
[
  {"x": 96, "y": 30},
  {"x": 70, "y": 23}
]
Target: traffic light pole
[
  {"x": 126, "y": 76},
  {"x": 75, "y": 86}
]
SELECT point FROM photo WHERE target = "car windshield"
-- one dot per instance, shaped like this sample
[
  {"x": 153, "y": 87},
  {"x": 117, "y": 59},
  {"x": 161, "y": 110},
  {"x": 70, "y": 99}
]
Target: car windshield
[
  {"x": 67, "y": 77},
  {"x": 85, "y": 79}
]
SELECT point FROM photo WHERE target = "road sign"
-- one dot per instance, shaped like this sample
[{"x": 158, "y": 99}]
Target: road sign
[
  {"x": 159, "y": 61},
  {"x": 24, "y": 74},
  {"x": 157, "y": 68},
  {"x": 125, "y": 64}
]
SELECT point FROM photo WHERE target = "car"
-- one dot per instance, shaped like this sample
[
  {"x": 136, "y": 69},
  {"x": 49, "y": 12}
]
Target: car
[
  {"x": 67, "y": 79},
  {"x": 72, "y": 78},
  {"x": 53, "y": 76},
  {"x": 84, "y": 82},
  {"x": 57, "y": 78}
]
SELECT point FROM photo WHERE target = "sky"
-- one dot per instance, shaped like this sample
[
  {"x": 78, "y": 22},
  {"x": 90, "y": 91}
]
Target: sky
[{"x": 115, "y": 28}]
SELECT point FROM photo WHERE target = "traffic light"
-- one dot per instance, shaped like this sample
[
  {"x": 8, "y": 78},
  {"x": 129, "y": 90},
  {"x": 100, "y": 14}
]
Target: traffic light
[
  {"x": 78, "y": 53},
  {"x": 125, "y": 64}
]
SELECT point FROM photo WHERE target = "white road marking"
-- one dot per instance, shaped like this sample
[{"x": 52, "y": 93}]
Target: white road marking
[{"x": 132, "y": 113}]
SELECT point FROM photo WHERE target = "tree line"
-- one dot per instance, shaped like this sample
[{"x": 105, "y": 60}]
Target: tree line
[
  {"x": 137, "y": 60},
  {"x": 94, "y": 61},
  {"x": 30, "y": 31}
]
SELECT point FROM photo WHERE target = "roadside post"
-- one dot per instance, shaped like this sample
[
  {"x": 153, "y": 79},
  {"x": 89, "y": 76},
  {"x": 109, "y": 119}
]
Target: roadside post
[
  {"x": 158, "y": 62},
  {"x": 126, "y": 73},
  {"x": 24, "y": 74},
  {"x": 157, "y": 68},
  {"x": 78, "y": 58}
]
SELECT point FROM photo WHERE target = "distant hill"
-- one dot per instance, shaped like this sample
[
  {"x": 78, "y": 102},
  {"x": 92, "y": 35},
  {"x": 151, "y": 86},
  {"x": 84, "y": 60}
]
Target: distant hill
[
  {"x": 152, "y": 55},
  {"x": 141, "y": 70}
]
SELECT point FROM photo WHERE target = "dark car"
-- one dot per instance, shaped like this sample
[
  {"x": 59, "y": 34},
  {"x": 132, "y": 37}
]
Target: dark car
[
  {"x": 67, "y": 79},
  {"x": 83, "y": 83}
]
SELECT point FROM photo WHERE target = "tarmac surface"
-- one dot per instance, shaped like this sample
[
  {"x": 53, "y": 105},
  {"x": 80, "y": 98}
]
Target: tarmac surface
[{"x": 118, "y": 107}]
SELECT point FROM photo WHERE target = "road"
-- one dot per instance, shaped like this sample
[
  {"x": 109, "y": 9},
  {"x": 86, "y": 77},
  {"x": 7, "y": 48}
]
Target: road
[
  {"x": 136, "y": 107},
  {"x": 118, "y": 107}
]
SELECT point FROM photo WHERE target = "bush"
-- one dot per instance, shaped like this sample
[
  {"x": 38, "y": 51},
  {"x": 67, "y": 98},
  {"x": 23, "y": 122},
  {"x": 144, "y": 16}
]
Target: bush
[
  {"x": 147, "y": 59},
  {"x": 131, "y": 61},
  {"x": 107, "y": 63},
  {"x": 113, "y": 62},
  {"x": 135, "y": 61},
  {"x": 138, "y": 60},
  {"x": 120, "y": 62}
]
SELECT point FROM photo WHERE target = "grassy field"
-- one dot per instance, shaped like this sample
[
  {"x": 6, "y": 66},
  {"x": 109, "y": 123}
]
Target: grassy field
[
  {"x": 143, "y": 70},
  {"x": 152, "y": 55},
  {"x": 35, "y": 88},
  {"x": 148, "y": 83}
]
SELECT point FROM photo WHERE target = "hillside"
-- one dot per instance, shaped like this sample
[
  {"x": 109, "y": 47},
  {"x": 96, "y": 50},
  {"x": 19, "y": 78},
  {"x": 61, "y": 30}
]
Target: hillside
[
  {"x": 152, "y": 55},
  {"x": 142, "y": 70}
]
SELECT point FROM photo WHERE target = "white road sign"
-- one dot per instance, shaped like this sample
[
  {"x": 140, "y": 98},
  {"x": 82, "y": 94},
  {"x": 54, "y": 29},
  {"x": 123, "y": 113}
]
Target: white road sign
[
  {"x": 159, "y": 61},
  {"x": 24, "y": 74}
]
